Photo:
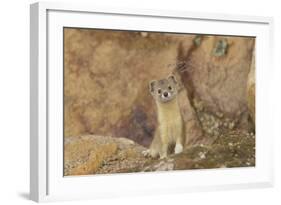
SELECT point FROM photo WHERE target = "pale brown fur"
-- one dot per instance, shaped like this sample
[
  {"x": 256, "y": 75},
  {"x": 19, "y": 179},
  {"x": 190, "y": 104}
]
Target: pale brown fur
[{"x": 170, "y": 130}]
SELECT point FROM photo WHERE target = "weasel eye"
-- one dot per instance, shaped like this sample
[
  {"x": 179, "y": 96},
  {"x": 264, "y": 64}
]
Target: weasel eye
[
  {"x": 159, "y": 91},
  {"x": 170, "y": 88}
]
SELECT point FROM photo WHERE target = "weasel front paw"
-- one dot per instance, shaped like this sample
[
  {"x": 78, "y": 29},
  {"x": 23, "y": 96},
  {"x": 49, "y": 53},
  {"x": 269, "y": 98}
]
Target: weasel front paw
[
  {"x": 178, "y": 148},
  {"x": 150, "y": 153},
  {"x": 146, "y": 153}
]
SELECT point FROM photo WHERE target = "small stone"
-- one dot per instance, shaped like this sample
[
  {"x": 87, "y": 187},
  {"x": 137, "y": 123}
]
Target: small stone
[
  {"x": 219, "y": 114},
  {"x": 202, "y": 155},
  {"x": 216, "y": 125},
  {"x": 231, "y": 125}
]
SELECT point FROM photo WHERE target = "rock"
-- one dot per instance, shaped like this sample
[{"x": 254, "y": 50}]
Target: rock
[
  {"x": 217, "y": 73},
  {"x": 106, "y": 77},
  {"x": 96, "y": 101},
  {"x": 193, "y": 130},
  {"x": 83, "y": 155},
  {"x": 202, "y": 155},
  {"x": 223, "y": 153},
  {"x": 162, "y": 165},
  {"x": 92, "y": 154},
  {"x": 106, "y": 82},
  {"x": 251, "y": 88}
]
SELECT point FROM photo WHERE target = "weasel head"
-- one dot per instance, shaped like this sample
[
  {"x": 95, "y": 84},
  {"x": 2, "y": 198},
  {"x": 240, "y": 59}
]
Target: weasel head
[{"x": 164, "y": 90}]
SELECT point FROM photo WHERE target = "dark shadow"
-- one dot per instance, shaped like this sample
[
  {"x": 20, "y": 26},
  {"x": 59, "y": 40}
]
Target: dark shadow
[{"x": 24, "y": 195}]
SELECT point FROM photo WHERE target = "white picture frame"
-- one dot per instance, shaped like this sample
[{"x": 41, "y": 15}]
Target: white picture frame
[{"x": 46, "y": 176}]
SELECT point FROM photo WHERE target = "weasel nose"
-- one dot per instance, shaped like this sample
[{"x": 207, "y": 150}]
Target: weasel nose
[{"x": 165, "y": 94}]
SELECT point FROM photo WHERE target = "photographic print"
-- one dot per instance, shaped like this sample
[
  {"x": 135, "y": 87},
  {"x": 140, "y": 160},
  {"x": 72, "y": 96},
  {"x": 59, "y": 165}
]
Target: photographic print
[{"x": 138, "y": 101}]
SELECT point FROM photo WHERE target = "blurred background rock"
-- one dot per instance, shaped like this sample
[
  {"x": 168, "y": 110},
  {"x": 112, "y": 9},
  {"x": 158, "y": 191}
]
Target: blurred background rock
[{"x": 106, "y": 77}]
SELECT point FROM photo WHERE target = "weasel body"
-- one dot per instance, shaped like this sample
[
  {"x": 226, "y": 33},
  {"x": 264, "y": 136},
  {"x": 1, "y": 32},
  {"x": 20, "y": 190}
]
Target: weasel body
[{"x": 170, "y": 128}]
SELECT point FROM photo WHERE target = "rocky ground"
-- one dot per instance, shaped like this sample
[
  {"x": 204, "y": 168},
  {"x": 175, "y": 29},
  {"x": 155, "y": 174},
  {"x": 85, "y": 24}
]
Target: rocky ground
[{"x": 92, "y": 154}]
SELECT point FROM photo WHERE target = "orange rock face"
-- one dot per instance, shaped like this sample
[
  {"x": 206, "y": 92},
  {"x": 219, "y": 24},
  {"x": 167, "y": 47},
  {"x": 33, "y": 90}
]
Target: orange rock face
[
  {"x": 217, "y": 72},
  {"x": 106, "y": 77}
]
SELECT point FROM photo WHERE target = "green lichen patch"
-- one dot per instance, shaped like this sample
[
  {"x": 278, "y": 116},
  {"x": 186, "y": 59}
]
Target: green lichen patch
[
  {"x": 197, "y": 40},
  {"x": 220, "y": 48}
]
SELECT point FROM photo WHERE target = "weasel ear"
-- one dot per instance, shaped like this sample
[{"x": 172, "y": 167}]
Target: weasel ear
[
  {"x": 173, "y": 79},
  {"x": 152, "y": 85}
]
